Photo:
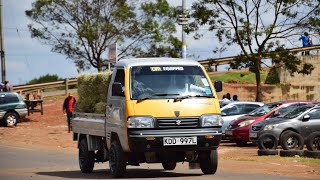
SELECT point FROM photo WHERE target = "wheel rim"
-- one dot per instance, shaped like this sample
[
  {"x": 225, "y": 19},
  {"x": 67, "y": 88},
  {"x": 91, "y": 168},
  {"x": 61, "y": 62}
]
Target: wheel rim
[
  {"x": 11, "y": 120},
  {"x": 292, "y": 142},
  {"x": 112, "y": 160}
]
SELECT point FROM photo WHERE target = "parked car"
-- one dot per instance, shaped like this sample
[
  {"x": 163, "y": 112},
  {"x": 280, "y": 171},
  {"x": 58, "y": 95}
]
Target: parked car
[
  {"x": 12, "y": 108},
  {"x": 236, "y": 109},
  {"x": 238, "y": 129},
  {"x": 291, "y": 129}
]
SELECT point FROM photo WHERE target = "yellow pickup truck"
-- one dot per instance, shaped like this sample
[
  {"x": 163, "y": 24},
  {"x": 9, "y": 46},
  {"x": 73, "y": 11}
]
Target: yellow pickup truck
[{"x": 159, "y": 110}]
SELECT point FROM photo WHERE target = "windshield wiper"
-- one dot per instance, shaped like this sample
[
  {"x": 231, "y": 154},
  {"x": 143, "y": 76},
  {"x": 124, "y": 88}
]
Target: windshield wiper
[
  {"x": 162, "y": 94},
  {"x": 188, "y": 96}
]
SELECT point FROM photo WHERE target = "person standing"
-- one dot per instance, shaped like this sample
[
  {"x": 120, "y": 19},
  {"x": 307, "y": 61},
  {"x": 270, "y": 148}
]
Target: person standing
[
  {"x": 7, "y": 87},
  {"x": 68, "y": 108},
  {"x": 306, "y": 41}
]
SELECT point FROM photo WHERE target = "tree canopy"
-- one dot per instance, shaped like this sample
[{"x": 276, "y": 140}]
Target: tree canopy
[
  {"x": 261, "y": 28},
  {"x": 83, "y": 30}
]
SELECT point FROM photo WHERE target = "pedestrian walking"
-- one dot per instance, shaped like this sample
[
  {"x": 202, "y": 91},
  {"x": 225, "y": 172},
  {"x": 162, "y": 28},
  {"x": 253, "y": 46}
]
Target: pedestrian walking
[{"x": 68, "y": 108}]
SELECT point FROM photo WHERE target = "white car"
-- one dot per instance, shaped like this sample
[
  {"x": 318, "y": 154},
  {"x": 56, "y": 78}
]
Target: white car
[{"x": 236, "y": 109}]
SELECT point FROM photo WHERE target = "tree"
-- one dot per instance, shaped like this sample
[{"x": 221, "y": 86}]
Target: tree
[
  {"x": 44, "y": 79},
  {"x": 261, "y": 28},
  {"x": 83, "y": 30}
]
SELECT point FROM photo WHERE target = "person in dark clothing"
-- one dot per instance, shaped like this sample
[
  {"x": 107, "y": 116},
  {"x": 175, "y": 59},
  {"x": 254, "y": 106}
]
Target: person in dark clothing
[
  {"x": 68, "y": 107},
  {"x": 229, "y": 96},
  {"x": 235, "y": 98},
  {"x": 7, "y": 87}
]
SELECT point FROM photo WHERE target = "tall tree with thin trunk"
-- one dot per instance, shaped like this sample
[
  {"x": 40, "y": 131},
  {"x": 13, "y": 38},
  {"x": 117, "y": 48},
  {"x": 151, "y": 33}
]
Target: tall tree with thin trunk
[
  {"x": 261, "y": 28},
  {"x": 83, "y": 30}
]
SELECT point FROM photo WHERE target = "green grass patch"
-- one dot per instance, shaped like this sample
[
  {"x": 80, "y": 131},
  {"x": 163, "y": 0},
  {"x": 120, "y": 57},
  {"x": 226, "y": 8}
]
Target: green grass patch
[{"x": 240, "y": 77}]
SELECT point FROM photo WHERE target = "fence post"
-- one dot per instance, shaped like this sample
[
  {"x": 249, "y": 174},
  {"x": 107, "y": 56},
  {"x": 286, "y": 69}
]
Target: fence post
[{"x": 67, "y": 86}]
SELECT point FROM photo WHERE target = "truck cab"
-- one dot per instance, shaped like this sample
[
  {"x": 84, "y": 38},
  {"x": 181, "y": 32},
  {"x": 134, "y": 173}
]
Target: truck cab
[{"x": 159, "y": 110}]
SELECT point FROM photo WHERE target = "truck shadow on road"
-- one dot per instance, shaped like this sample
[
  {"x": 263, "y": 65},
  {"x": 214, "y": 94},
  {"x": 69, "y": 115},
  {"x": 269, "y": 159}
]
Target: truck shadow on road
[{"x": 131, "y": 173}]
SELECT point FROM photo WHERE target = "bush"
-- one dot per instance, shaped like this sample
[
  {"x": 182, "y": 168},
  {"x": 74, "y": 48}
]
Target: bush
[{"x": 92, "y": 92}]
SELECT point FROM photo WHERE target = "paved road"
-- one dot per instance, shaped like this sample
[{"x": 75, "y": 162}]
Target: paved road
[{"x": 19, "y": 163}]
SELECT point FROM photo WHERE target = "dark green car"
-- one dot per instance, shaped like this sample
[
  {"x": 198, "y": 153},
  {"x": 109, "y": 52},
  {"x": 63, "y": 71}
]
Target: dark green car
[{"x": 12, "y": 108}]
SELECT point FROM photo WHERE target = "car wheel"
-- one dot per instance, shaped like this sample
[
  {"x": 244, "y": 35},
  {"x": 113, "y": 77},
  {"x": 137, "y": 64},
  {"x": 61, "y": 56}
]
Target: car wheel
[
  {"x": 292, "y": 140},
  {"x": 117, "y": 162},
  {"x": 312, "y": 154},
  {"x": 86, "y": 158},
  {"x": 209, "y": 162},
  {"x": 267, "y": 152},
  {"x": 169, "y": 165},
  {"x": 10, "y": 119},
  {"x": 313, "y": 142},
  {"x": 267, "y": 141},
  {"x": 291, "y": 153}
]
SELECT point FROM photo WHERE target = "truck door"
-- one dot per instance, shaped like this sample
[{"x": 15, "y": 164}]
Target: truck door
[{"x": 311, "y": 124}]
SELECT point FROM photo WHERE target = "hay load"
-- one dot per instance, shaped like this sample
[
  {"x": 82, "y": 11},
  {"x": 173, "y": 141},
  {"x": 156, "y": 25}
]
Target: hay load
[{"x": 93, "y": 92}]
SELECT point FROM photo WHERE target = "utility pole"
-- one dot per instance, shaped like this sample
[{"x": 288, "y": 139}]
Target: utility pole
[
  {"x": 3, "y": 64},
  {"x": 183, "y": 20}
]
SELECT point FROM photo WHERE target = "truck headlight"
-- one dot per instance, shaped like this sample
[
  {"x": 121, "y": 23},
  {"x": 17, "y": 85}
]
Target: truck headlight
[
  {"x": 211, "y": 120},
  {"x": 140, "y": 122},
  {"x": 270, "y": 126},
  {"x": 245, "y": 123}
]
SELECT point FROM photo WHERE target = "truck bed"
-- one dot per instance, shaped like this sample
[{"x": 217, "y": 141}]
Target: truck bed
[{"x": 88, "y": 123}]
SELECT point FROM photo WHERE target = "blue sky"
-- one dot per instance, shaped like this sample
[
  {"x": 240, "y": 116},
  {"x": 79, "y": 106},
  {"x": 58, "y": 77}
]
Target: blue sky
[{"x": 27, "y": 58}]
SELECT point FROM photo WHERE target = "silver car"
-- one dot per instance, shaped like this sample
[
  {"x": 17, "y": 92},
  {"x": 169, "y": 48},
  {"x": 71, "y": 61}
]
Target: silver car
[{"x": 236, "y": 109}]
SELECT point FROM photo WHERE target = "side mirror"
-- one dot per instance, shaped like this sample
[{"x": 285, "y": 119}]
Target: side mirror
[
  {"x": 117, "y": 89},
  {"x": 306, "y": 118},
  {"x": 218, "y": 86}
]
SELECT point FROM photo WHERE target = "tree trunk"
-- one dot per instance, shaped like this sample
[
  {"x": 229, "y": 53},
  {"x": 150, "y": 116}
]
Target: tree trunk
[
  {"x": 258, "y": 84},
  {"x": 99, "y": 64}
]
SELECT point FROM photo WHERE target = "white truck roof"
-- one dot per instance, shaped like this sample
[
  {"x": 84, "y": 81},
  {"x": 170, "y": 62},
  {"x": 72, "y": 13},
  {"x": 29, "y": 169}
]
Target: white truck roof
[{"x": 127, "y": 63}]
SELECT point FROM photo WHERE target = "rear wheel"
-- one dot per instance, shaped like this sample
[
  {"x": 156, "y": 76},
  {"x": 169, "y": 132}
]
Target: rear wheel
[
  {"x": 117, "y": 162},
  {"x": 86, "y": 157},
  {"x": 209, "y": 162},
  {"x": 313, "y": 142},
  {"x": 11, "y": 119},
  {"x": 169, "y": 165}
]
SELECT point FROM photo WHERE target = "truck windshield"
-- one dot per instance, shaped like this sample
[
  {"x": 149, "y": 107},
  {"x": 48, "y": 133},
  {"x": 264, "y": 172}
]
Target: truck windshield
[{"x": 156, "y": 82}]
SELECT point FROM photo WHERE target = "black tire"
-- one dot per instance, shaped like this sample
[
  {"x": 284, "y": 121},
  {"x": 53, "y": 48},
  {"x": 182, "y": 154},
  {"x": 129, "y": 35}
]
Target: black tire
[
  {"x": 86, "y": 158},
  {"x": 292, "y": 140},
  {"x": 117, "y": 161},
  {"x": 267, "y": 152},
  {"x": 267, "y": 141},
  {"x": 209, "y": 162},
  {"x": 10, "y": 119},
  {"x": 169, "y": 165},
  {"x": 313, "y": 141},
  {"x": 291, "y": 153},
  {"x": 312, "y": 154}
]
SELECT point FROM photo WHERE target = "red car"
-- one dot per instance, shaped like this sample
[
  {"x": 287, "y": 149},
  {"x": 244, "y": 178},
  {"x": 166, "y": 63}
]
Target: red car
[{"x": 238, "y": 129}]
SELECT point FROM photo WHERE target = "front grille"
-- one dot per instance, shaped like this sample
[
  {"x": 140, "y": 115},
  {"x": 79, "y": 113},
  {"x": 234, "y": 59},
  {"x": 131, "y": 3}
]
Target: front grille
[
  {"x": 256, "y": 128},
  {"x": 178, "y": 123}
]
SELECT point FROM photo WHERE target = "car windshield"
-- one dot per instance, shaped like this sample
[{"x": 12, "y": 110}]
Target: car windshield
[
  {"x": 295, "y": 112},
  {"x": 154, "y": 82},
  {"x": 263, "y": 109}
]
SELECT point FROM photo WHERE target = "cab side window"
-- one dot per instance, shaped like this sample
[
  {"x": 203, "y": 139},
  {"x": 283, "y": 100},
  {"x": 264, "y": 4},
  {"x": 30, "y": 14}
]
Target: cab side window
[{"x": 119, "y": 78}]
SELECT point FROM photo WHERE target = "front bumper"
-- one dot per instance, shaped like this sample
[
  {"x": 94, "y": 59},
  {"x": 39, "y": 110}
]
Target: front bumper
[{"x": 207, "y": 139}]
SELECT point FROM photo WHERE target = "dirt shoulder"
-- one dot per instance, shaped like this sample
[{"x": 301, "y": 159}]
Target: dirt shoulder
[{"x": 50, "y": 131}]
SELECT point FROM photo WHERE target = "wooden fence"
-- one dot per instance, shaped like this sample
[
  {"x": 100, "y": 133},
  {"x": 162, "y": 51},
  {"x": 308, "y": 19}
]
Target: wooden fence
[{"x": 38, "y": 89}]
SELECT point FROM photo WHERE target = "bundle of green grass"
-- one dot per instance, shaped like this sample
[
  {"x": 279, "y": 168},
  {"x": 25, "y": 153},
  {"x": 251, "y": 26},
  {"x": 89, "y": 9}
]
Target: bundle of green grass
[{"x": 93, "y": 92}]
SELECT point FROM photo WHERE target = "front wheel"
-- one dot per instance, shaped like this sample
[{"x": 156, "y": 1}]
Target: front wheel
[
  {"x": 209, "y": 162},
  {"x": 86, "y": 157},
  {"x": 117, "y": 162},
  {"x": 169, "y": 165}
]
